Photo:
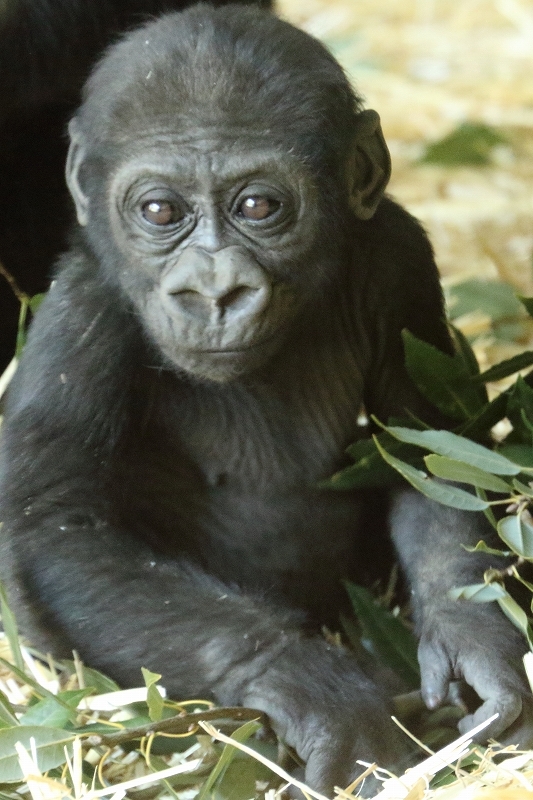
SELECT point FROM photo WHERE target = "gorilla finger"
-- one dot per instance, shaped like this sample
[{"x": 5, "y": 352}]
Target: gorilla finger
[
  {"x": 521, "y": 731},
  {"x": 436, "y": 673},
  {"x": 456, "y": 695},
  {"x": 507, "y": 707}
]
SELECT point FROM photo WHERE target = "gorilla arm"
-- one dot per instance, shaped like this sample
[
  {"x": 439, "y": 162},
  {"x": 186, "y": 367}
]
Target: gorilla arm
[{"x": 458, "y": 639}]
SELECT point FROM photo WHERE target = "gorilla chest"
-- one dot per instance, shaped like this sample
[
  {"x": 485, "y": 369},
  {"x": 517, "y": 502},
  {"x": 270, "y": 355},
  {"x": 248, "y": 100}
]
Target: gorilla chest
[{"x": 233, "y": 482}]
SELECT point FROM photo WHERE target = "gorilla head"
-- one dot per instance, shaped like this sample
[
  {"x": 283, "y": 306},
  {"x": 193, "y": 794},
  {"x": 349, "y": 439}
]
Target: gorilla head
[{"x": 214, "y": 179}]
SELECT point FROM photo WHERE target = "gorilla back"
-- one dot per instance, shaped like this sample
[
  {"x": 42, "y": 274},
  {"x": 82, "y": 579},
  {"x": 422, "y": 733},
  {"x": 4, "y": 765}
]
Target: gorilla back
[{"x": 236, "y": 289}]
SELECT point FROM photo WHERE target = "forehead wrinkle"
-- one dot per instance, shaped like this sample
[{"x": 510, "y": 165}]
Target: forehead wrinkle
[{"x": 176, "y": 156}]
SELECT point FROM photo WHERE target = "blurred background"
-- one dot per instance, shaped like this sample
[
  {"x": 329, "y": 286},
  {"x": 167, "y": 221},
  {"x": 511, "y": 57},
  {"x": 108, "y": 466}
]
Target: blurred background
[{"x": 453, "y": 84}]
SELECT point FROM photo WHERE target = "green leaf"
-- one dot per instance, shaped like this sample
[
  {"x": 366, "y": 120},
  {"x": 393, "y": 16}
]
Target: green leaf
[
  {"x": 55, "y": 712},
  {"x": 440, "y": 492},
  {"x": 452, "y": 470},
  {"x": 369, "y": 469},
  {"x": 393, "y": 644},
  {"x": 478, "y": 592},
  {"x": 507, "y": 367},
  {"x": 517, "y": 534},
  {"x": 482, "y": 547},
  {"x": 495, "y": 299},
  {"x": 49, "y": 743},
  {"x": 444, "y": 380},
  {"x": 520, "y": 410},
  {"x": 10, "y": 629},
  {"x": 522, "y": 488},
  {"x": 154, "y": 698},
  {"x": 36, "y": 301},
  {"x": 464, "y": 349},
  {"x": 517, "y": 615},
  {"x": 445, "y": 443},
  {"x": 479, "y": 426},
  {"x": 239, "y": 781},
  {"x": 521, "y": 454},
  {"x": 97, "y": 681},
  {"x": 7, "y": 713},
  {"x": 469, "y": 144},
  {"x": 228, "y": 754}
]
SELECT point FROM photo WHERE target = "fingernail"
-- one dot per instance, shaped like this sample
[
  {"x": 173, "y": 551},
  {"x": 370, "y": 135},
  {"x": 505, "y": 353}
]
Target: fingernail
[{"x": 432, "y": 701}]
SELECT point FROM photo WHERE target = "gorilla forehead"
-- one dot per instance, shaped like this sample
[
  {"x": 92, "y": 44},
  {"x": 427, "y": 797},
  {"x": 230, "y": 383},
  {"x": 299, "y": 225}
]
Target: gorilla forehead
[{"x": 233, "y": 69}]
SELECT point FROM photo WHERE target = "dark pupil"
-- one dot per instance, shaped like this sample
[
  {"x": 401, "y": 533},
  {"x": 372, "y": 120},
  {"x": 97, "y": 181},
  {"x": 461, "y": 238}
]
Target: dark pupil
[
  {"x": 258, "y": 208},
  {"x": 158, "y": 212}
]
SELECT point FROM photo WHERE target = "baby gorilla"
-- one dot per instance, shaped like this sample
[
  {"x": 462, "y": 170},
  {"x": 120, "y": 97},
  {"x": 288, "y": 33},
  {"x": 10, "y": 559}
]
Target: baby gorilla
[{"x": 236, "y": 289}]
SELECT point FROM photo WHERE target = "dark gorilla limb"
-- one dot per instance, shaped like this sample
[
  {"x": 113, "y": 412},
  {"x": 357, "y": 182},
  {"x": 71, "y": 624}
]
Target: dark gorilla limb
[
  {"x": 236, "y": 288},
  {"x": 46, "y": 52}
]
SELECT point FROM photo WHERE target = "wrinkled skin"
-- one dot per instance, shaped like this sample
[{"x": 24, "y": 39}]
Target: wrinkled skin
[{"x": 236, "y": 289}]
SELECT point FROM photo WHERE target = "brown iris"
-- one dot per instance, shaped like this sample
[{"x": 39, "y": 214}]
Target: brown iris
[
  {"x": 160, "y": 212},
  {"x": 257, "y": 207}
]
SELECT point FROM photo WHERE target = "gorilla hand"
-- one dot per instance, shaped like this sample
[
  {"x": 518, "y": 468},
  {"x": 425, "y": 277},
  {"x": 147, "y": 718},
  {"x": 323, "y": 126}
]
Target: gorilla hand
[
  {"x": 475, "y": 642},
  {"x": 322, "y": 704}
]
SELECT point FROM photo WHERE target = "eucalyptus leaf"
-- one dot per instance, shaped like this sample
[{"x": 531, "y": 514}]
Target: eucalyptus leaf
[
  {"x": 452, "y": 470},
  {"x": 466, "y": 352},
  {"x": 228, "y": 754},
  {"x": 7, "y": 713},
  {"x": 92, "y": 678},
  {"x": 517, "y": 616},
  {"x": 520, "y": 454},
  {"x": 517, "y": 534},
  {"x": 369, "y": 469},
  {"x": 482, "y": 547},
  {"x": 493, "y": 298},
  {"x": 239, "y": 781},
  {"x": 154, "y": 699},
  {"x": 478, "y": 592},
  {"x": 522, "y": 488},
  {"x": 480, "y": 425},
  {"x": 49, "y": 743},
  {"x": 36, "y": 301},
  {"x": 55, "y": 711},
  {"x": 507, "y": 367},
  {"x": 440, "y": 492},
  {"x": 47, "y": 713},
  {"x": 392, "y": 642},
  {"x": 520, "y": 410},
  {"x": 445, "y": 443},
  {"x": 443, "y": 379}
]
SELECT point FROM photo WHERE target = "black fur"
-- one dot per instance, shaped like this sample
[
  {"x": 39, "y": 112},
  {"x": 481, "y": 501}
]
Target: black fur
[{"x": 193, "y": 375}]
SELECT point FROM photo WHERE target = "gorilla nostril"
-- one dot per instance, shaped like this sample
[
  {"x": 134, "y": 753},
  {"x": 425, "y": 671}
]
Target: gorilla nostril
[
  {"x": 236, "y": 299},
  {"x": 192, "y": 302},
  {"x": 200, "y": 305}
]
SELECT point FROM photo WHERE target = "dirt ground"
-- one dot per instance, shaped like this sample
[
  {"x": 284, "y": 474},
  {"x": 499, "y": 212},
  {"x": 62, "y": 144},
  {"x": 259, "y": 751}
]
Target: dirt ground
[{"x": 427, "y": 66}]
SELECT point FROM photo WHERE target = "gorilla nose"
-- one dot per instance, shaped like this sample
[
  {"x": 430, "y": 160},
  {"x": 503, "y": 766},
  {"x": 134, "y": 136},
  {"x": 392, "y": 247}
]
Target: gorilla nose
[
  {"x": 216, "y": 288},
  {"x": 217, "y": 306}
]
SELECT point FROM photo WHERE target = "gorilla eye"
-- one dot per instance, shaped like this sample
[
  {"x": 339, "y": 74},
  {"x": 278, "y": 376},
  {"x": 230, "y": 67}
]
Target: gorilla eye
[
  {"x": 161, "y": 212},
  {"x": 257, "y": 208}
]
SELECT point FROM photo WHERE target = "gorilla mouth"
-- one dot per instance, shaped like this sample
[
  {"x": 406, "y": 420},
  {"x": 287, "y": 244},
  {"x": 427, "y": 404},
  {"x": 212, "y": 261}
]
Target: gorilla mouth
[{"x": 236, "y": 350}]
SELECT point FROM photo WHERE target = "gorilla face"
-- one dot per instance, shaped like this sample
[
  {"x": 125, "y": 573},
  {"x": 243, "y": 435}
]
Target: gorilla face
[{"x": 214, "y": 248}]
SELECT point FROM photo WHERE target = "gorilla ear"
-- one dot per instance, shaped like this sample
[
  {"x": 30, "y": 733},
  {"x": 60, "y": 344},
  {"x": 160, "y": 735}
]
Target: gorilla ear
[
  {"x": 75, "y": 158},
  {"x": 369, "y": 165}
]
